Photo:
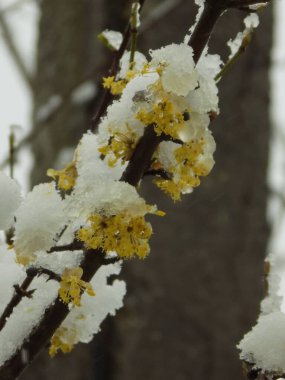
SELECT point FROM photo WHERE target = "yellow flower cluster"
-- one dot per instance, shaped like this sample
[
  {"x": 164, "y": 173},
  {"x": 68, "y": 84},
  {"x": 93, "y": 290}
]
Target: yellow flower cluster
[
  {"x": 187, "y": 171},
  {"x": 58, "y": 343},
  {"x": 164, "y": 118},
  {"x": 127, "y": 236},
  {"x": 116, "y": 87},
  {"x": 66, "y": 178},
  {"x": 71, "y": 286},
  {"x": 121, "y": 146}
]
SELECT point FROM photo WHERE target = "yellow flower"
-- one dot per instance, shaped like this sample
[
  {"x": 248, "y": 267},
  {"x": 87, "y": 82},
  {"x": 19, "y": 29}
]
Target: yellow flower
[
  {"x": 59, "y": 341},
  {"x": 115, "y": 87},
  {"x": 164, "y": 118},
  {"x": 186, "y": 172},
  {"x": 71, "y": 286},
  {"x": 121, "y": 146},
  {"x": 66, "y": 178},
  {"x": 127, "y": 236}
]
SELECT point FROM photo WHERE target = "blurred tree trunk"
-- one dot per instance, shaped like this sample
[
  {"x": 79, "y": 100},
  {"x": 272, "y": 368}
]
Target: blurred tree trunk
[{"x": 192, "y": 300}]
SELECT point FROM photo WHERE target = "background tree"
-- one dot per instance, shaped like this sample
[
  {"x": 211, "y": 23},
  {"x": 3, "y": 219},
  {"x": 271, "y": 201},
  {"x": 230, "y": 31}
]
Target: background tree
[{"x": 191, "y": 301}]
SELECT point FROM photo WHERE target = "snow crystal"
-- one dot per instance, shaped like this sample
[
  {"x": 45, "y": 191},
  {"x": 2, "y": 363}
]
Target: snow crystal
[
  {"x": 85, "y": 321},
  {"x": 114, "y": 39},
  {"x": 83, "y": 93},
  {"x": 39, "y": 218},
  {"x": 264, "y": 345},
  {"x": 10, "y": 199},
  {"x": 178, "y": 74}
]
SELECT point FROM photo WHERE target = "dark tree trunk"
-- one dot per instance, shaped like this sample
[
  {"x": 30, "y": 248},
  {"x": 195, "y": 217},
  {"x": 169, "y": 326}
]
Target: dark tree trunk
[{"x": 191, "y": 301}]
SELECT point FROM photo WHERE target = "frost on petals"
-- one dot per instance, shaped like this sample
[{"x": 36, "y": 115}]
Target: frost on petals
[
  {"x": 10, "y": 199},
  {"x": 40, "y": 218}
]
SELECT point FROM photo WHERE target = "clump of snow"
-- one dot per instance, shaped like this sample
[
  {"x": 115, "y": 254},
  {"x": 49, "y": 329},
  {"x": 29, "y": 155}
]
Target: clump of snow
[
  {"x": 83, "y": 322},
  {"x": 251, "y": 21},
  {"x": 26, "y": 316},
  {"x": 58, "y": 261},
  {"x": 178, "y": 74},
  {"x": 10, "y": 199},
  {"x": 264, "y": 345},
  {"x": 112, "y": 38},
  {"x": 40, "y": 218}
]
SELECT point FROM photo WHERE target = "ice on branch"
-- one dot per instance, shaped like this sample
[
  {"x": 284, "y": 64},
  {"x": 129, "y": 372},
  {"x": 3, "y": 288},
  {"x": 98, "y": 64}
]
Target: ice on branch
[
  {"x": 40, "y": 218},
  {"x": 10, "y": 199},
  {"x": 82, "y": 323}
]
